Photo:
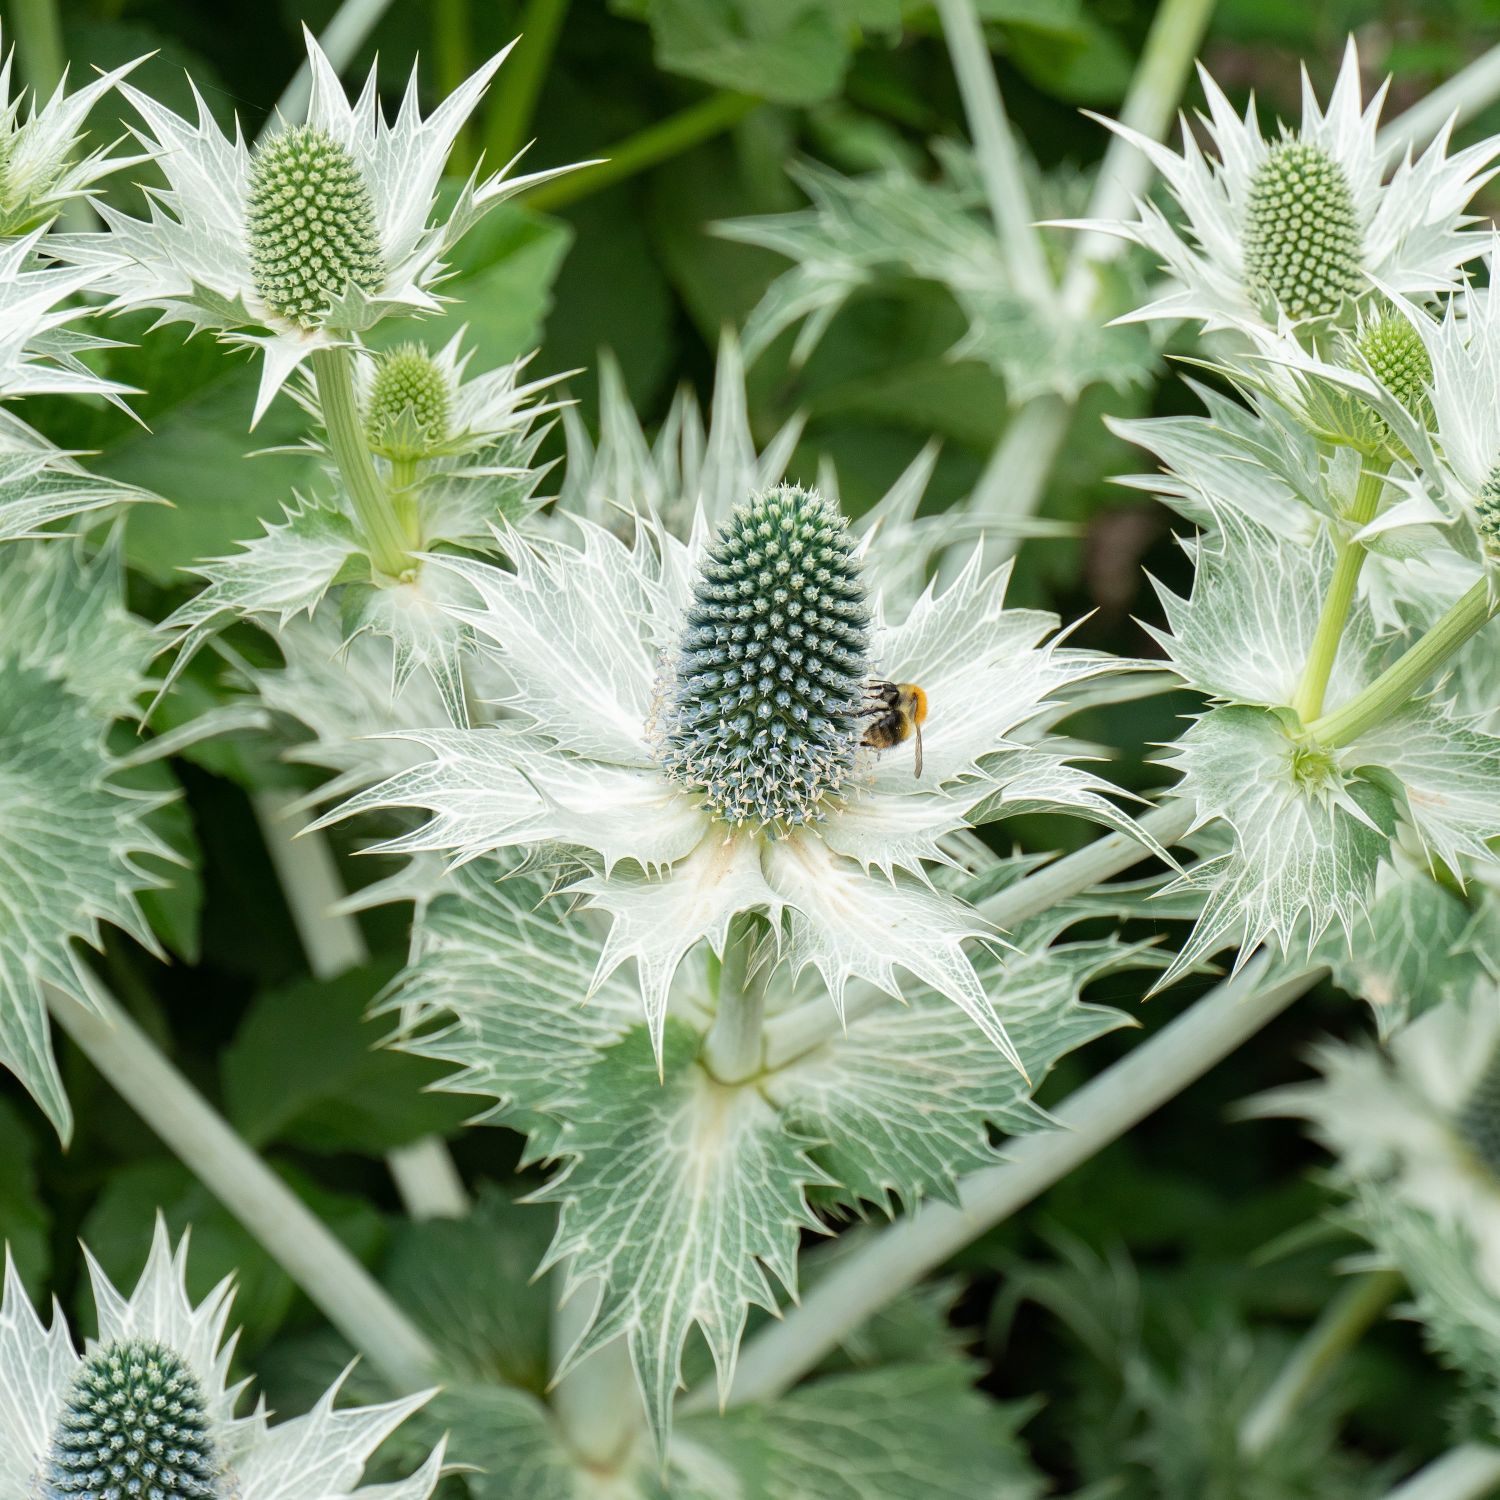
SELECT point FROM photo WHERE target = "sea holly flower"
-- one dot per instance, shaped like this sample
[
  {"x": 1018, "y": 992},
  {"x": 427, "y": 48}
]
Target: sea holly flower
[
  {"x": 327, "y": 227},
  {"x": 449, "y": 488},
  {"x": 148, "y": 1409},
  {"x": 692, "y": 717},
  {"x": 42, "y": 166},
  {"x": 1299, "y": 229}
]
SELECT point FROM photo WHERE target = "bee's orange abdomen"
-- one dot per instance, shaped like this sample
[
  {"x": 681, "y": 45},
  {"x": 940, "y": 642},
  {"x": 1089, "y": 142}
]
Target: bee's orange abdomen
[{"x": 919, "y": 702}]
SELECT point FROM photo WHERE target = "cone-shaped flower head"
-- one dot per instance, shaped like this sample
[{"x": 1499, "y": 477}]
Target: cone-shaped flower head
[
  {"x": 1297, "y": 228},
  {"x": 409, "y": 408},
  {"x": 311, "y": 226},
  {"x": 1302, "y": 234},
  {"x": 135, "y": 1426},
  {"x": 763, "y": 717}
]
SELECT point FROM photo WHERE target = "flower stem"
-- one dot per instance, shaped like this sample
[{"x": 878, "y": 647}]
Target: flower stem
[
  {"x": 1014, "y": 480},
  {"x": 995, "y": 147},
  {"x": 1339, "y": 1328},
  {"x": 513, "y": 104},
  {"x": 893, "y": 1259},
  {"x": 1350, "y": 559},
  {"x": 1399, "y": 682},
  {"x": 353, "y": 1301},
  {"x": 734, "y": 1049},
  {"x": 656, "y": 143},
  {"x": 333, "y": 370},
  {"x": 39, "y": 42},
  {"x": 1468, "y": 1472},
  {"x": 426, "y": 1178},
  {"x": 597, "y": 1403},
  {"x": 1463, "y": 96},
  {"x": 795, "y": 1032}
]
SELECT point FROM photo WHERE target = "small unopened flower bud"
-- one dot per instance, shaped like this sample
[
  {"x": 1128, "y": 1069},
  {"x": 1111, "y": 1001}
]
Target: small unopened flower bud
[
  {"x": 1302, "y": 236},
  {"x": 408, "y": 411},
  {"x": 1487, "y": 514},
  {"x": 311, "y": 225},
  {"x": 763, "y": 715},
  {"x": 1395, "y": 352},
  {"x": 134, "y": 1424}
]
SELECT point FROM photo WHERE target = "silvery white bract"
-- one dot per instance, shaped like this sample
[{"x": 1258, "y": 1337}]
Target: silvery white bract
[
  {"x": 1312, "y": 825},
  {"x": 38, "y": 349},
  {"x": 582, "y": 763},
  {"x": 1293, "y": 229},
  {"x": 1419, "y": 1119},
  {"x": 695, "y": 467},
  {"x": 192, "y": 258},
  {"x": 43, "y": 170},
  {"x": 47, "y": 1430}
]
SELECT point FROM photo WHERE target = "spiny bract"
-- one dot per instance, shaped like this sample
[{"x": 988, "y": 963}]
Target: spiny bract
[
  {"x": 763, "y": 716},
  {"x": 1302, "y": 235},
  {"x": 407, "y": 414},
  {"x": 134, "y": 1427},
  {"x": 310, "y": 224}
]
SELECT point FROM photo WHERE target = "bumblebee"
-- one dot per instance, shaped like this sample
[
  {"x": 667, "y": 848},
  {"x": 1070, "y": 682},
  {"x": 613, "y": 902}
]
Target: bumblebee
[{"x": 896, "y": 713}]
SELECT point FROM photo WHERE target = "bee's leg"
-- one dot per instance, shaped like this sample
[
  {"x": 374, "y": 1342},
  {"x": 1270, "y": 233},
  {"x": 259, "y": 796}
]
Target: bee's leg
[{"x": 916, "y": 730}]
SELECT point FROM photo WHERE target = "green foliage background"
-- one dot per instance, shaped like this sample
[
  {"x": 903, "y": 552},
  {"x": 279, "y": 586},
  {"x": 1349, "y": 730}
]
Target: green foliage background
[{"x": 1146, "y": 1296}]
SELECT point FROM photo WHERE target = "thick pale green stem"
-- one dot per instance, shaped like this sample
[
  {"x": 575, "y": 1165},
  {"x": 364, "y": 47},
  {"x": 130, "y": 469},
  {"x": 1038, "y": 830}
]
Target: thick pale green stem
[
  {"x": 404, "y": 496},
  {"x": 424, "y": 1173},
  {"x": 352, "y": 1300},
  {"x": 892, "y": 1259},
  {"x": 1463, "y": 95},
  {"x": 333, "y": 369},
  {"x": 1468, "y": 1472},
  {"x": 452, "y": 46},
  {"x": 37, "y": 29},
  {"x": 1125, "y": 173},
  {"x": 1399, "y": 683},
  {"x": 597, "y": 1403},
  {"x": 734, "y": 1049},
  {"x": 512, "y": 105},
  {"x": 1346, "y": 570},
  {"x": 1014, "y": 480},
  {"x": 798, "y": 1031},
  {"x": 995, "y": 147},
  {"x": 1342, "y": 1324},
  {"x": 647, "y": 148}
]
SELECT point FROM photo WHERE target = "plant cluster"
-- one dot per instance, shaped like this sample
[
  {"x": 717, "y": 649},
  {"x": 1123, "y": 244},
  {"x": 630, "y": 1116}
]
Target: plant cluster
[{"x": 703, "y": 799}]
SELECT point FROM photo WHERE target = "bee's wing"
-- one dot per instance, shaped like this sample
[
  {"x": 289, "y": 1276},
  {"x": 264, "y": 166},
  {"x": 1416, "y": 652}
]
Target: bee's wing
[{"x": 916, "y": 730}]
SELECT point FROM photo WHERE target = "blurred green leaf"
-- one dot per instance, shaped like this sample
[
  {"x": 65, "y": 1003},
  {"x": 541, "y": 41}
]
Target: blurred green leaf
[{"x": 307, "y": 1068}]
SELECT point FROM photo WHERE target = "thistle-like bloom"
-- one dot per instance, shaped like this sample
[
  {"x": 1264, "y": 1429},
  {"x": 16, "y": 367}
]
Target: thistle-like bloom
[
  {"x": 316, "y": 235},
  {"x": 1298, "y": 229},
  {"x": 1417, "y": 1124},
  {"x": 41, "y": 166},
  {"x": 147, "y": 1411},
  {"x": 691, "y": 718}
]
